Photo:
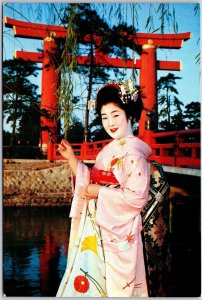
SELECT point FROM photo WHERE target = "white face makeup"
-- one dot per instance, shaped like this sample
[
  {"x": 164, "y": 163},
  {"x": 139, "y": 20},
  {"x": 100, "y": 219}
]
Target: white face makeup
[{"x": 115, "y": 122}]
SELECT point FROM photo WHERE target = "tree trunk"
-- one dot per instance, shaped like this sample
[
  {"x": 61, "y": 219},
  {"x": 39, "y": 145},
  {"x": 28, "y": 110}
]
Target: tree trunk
[
  {"x": 89, "y": 94},
  {"x": 168, "y": 105},
  {"x": 13, "y": 134}
]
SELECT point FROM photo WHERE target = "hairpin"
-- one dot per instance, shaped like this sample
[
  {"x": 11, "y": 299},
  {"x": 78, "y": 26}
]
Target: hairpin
[{"x": 127, "y": 91}]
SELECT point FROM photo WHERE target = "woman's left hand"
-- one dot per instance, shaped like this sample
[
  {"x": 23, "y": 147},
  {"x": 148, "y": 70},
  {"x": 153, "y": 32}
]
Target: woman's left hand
[{"x": 92, "y": 191}]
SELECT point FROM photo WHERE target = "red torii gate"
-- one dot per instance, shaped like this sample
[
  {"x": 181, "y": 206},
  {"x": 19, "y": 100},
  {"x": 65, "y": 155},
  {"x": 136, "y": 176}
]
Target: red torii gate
[{"x": 148, "y": 65}]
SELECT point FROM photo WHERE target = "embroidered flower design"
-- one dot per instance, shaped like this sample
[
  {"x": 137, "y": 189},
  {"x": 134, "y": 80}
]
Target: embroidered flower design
[
  {"x": 94, "y": 282},
  {"x": 116, "y": 162},
  {"x": 154, "y": 168},
  {"x": 155, "y": 179},
  {"x": 158, "y": 231},
  {"x": 81, "y": 284},
  {"x": 130, "y": 238},
  {"x": 90, "y": 243},
  {"x": 122, "y": 142}
]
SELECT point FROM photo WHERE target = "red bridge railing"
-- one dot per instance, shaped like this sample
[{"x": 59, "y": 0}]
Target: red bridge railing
[
  {"x": 176, "y": 148},
  {"x": 83, "y": 151}
]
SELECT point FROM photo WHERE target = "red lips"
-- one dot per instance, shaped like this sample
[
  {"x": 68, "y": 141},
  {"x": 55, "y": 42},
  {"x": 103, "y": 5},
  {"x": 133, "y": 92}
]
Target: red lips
[{"x": 113, "y": 130}]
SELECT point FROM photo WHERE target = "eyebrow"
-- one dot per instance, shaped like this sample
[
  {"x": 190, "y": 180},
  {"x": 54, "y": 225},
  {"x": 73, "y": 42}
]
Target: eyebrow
[{"x": 114, "y": 111}]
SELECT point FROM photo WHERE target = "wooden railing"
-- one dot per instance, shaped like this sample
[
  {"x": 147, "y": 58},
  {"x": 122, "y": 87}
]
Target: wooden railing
[
  {"x": 83, "y": 151},
  {"x": 176, "y": 148}
]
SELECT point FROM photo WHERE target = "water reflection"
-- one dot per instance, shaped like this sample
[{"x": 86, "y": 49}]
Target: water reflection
[
  {"x": 34, "y": 250},
  {"x": 36, "y": 242}
]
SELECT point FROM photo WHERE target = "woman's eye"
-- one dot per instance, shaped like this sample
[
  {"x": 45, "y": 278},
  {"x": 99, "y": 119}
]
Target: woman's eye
[
  {"x": 115, "y": 116},
  {"x": 104, "y": 118}
]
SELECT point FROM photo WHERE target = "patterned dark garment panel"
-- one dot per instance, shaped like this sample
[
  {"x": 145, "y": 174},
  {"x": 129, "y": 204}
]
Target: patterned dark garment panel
[{"x": 155, "y": 217}]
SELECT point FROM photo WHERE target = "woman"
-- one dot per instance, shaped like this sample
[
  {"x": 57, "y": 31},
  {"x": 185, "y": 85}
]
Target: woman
[{"x": 105, "y": 257}]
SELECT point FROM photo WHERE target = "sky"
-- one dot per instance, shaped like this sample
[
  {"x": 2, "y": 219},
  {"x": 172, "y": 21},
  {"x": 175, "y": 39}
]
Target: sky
[{"x": 188, "y": 87}]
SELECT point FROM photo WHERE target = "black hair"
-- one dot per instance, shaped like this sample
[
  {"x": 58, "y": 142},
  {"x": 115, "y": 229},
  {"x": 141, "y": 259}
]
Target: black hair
[{"x": 110, "y": 93}]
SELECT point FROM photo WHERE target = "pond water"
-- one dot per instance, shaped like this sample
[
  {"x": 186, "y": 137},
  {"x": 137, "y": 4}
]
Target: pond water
[{"x": 35, "y": 243}]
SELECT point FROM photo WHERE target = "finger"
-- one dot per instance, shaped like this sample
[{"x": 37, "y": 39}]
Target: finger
[
  {"x": 87, "y": 195},
  {"x": 62, "y": 143},
  {"x": 61, "y": 148},
  {"x": 65, "y": 143}
]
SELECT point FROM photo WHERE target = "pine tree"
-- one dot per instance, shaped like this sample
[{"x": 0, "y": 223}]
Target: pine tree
[
  {"x": 18, "y": 91},
  {"x": 192, "y": 115},
  {"x": 168, "y": 103}
]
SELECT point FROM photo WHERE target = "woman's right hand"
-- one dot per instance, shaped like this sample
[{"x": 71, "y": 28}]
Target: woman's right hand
[{"x": 66, "y": 150}]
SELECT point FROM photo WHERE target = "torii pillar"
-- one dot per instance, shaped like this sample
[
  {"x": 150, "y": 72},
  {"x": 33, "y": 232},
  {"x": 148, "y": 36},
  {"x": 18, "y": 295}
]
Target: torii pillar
[
  {"x": 148, "y": 80},
  {"x": 50, "y": 77},
  {"x": 50, "y": 84}
]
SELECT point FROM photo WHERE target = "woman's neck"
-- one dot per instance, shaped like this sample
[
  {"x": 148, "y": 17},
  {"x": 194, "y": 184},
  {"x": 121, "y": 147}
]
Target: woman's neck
[{"x": 129, "y": 130}]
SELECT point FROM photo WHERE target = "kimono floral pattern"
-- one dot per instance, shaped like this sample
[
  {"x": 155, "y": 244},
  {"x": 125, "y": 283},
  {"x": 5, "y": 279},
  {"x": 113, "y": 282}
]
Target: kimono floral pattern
[
  {"x": 85, "y": 274},
  {"x": 106, "y": 252},
  {"x": 156, "y": 234},
  {"x": 81, "y": 284}
]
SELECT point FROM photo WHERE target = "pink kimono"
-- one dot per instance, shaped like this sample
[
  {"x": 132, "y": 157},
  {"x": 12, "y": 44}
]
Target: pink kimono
[{"x": 105, "y": 257}]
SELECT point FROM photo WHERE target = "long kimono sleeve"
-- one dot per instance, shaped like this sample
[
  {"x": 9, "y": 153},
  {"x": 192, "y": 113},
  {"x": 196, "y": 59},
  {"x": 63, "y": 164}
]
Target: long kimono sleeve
[
  {"x": 118, "y": 208},
  {"x": 82, "y": 181},
  {"x": 79, "y": 205}
]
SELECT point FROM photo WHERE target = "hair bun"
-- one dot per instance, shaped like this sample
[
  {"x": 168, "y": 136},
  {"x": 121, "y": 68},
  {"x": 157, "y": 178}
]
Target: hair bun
[{"x": 122, "y": 93}]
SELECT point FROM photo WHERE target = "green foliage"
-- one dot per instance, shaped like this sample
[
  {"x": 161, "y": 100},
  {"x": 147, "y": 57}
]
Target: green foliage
[
  {"x": 6, "y": 138},
  {"x": 198, "y": 58},
  {"x": 167, "y": 100},
  {"x": 80, "y": 20},
  {"x": 165, "y": 13},
  {"x": 18, "y": 91},
  {"x": 178, "y": 121},
  {"x": 66, "y": 69},
  {"x": 192, "y": 115},
  {"x": 196, "y": 8},
  {"x": 97, "y": 132},
  {"x": 75, "y": 133},
  {"x": 29, "y": 126},
  {"x": 171, "y": 114}
]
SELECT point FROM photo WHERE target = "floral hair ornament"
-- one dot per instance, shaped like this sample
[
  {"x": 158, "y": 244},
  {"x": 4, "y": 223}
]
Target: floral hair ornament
[{"x": 127, "y": 91}]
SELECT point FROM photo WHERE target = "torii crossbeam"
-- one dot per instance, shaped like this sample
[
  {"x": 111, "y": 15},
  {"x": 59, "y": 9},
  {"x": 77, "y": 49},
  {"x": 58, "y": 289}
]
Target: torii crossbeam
[{"x": 148, "y": 65}]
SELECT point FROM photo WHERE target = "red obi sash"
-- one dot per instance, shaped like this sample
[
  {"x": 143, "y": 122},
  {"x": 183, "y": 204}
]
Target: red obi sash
[{"x": 101, "y": 176}]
